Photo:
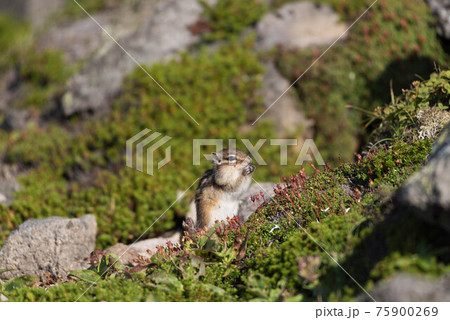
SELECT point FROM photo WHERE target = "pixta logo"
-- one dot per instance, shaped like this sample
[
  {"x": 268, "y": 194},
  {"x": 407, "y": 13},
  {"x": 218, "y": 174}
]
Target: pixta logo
[{"x": 146, "y": 143}]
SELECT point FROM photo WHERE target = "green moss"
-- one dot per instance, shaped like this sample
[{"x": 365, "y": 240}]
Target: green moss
[
  {"x": 103, "y": 290},
  {"x": 44, "y": 75},
  {"x": 391, "y": 167},
  {"x": 41, "y": 74},
  {"x": 14, "y": 35},
  {"x": 229, "y": 18},
  {"x": 334, "y": 234}
]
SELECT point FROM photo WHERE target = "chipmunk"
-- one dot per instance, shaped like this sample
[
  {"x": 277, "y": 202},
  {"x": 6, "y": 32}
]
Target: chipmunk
[{"x": 219, "y": 189}]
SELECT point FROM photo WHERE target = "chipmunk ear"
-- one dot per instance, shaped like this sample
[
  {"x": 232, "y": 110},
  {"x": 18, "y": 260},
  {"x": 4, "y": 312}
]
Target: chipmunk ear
[{"x": 215, "y": 158}]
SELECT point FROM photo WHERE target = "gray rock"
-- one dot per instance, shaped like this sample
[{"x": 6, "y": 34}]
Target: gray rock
[
  {"x": 441, "y": 10},
  {"x": 16, "y": 119},
  {"x": 80, "y": 39},
  {"x": 125, "y": 254},
  {"x": 54, "y": 245},
  {"x": 34, "y": 11},
  {"x": 247, "y": 207},
  {"x": 150, "y": 244},
  {"x": 158, "y": 38},
  {"x": 285, "y": 113},
  {"x": 8, "y": 183},
  {"x": 410, "y": 288},
  {"x": 299, "y": 25},
  {"x": 427, "y": 193}
]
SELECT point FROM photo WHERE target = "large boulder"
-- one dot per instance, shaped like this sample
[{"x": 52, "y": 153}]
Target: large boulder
[
  {"x": 54, "y": 246},
  {"x": 410, "y": 288},
  {"x": 158, "y": 38},
  {"x": 427, "y": 193},
  {"x": 299, "y": 25}
]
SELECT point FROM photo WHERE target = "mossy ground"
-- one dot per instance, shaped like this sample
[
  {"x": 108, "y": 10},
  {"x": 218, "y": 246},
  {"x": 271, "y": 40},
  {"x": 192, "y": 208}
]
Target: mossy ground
[
  {"x": 78, "y": 168},
  {"x": 353, "y": 223}
]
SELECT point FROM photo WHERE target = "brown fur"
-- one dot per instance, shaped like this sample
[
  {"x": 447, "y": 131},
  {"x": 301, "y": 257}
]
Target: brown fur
[{"x": 226, "y": 176}]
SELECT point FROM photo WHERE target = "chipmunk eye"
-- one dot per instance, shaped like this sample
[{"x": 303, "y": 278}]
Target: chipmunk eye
[{"x": 231, "y": 158}]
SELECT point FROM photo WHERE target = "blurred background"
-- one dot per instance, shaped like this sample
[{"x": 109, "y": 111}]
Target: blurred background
[{"x": 70, "y": 97}]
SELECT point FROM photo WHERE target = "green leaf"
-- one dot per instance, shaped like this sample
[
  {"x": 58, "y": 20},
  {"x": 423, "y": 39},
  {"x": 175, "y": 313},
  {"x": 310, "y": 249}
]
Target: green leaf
[
  {"x": 167, "y": 282},
  {"x": 213, "y": 289},
  {"x": 209, "y": 245},
  {"x": 200, "y": 264},
  {"x": 88, "y": 276}
]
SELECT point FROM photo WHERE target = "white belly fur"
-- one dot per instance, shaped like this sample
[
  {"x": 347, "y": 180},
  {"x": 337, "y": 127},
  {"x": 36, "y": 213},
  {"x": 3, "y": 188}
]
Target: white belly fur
[{"x": 228, "y": 206}]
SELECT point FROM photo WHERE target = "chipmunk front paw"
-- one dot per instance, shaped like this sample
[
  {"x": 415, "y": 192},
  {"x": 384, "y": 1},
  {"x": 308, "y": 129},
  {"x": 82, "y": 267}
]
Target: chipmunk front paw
[{"x": 249, "y": 170}]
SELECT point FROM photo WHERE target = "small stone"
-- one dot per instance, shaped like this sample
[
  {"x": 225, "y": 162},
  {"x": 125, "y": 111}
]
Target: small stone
[
  {"x": 125, "y": 254},
  {"x": 151, "y": 244}
]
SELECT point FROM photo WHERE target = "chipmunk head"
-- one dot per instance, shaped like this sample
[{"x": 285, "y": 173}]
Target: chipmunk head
[{"x": 230, "y": 166}]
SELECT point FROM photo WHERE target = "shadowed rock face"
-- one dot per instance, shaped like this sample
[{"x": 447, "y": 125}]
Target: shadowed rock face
[
  {"x": 164, "y": 33},
  {"x": 409, "y": 288},
  {"x": 441, "y": 10},
  {"x": 427, "y": 193},
  {"x": 53, "y": 245}
]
